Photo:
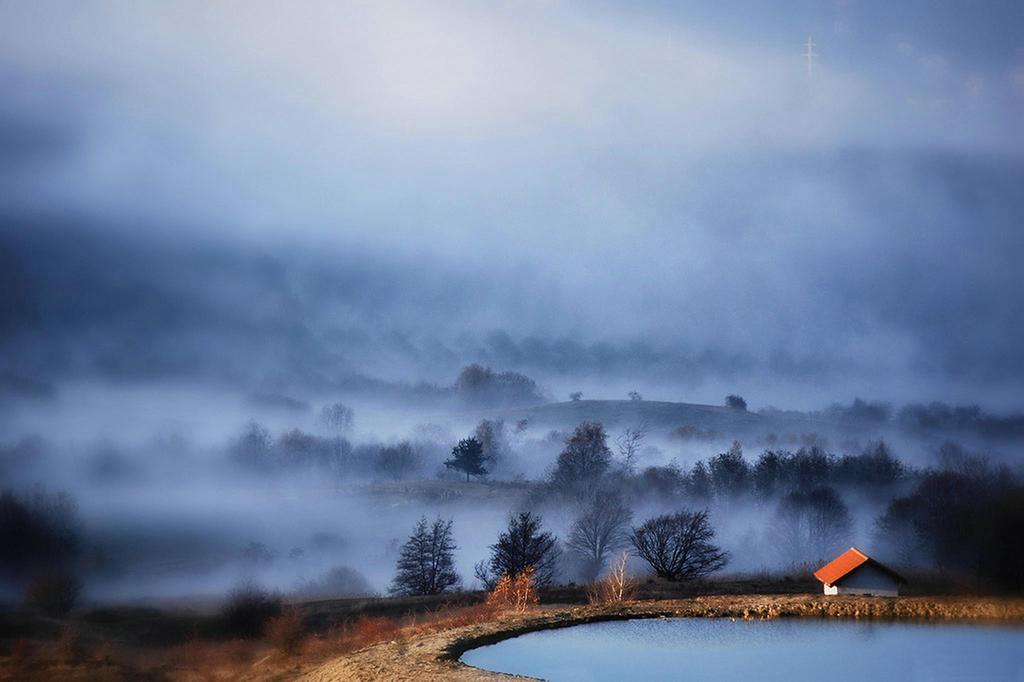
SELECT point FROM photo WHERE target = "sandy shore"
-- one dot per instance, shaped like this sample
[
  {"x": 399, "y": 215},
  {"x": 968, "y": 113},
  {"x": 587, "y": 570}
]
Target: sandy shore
[{"x": 435, "y": 656}]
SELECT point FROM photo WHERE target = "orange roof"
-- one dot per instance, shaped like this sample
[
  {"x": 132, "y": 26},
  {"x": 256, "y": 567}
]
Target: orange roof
[
  {"x": 841, "y": 565},
  {"x": 847, "y": 563}
]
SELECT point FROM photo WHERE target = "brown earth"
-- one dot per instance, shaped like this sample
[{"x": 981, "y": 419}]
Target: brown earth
[{"x": 435, "y": 656}]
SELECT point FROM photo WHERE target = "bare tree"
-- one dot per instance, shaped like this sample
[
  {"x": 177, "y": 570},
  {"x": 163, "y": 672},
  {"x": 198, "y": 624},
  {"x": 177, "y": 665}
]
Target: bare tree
[
  {"x": 576, "y": 396},
  {"x": 337, "y": 417},
  {"x": 396, "y": 461},
  {"x": 493, "y": 438},
  {"x": 635, "y": 395},
  {"x": 426, "y": 564},
  {"x": 678, "y": 546},
  {"x": 601, "y": 528},
  {"x": 616, "y": 587},
  {"x": 628, "y": 444},
  {"x": 810, "y": 526},
  {"x": 254, "y": 448}
]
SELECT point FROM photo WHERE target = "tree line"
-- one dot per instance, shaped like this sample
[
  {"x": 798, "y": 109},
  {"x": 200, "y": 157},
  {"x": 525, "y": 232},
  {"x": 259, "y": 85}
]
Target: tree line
[{"x": 678, "y": 547}]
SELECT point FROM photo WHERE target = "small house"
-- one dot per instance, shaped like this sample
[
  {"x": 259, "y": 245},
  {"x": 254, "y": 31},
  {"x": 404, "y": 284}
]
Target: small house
[{"x": 854, "y": 572}]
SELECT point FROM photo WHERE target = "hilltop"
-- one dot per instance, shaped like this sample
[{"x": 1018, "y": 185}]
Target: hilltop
[{"x": 661, "y": 417}]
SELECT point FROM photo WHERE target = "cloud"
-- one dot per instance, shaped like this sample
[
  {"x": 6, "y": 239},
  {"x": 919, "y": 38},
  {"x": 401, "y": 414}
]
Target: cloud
[
  {"x": 394, "y": 189},
  {"x": 902, "y": 281}
]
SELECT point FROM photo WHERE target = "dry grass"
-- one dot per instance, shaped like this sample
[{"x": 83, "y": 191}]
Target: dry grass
[
  {"x": 307, "y": 637},
  {"x": 287, "y": 632},
  {"x": 434, "y": 655},
  {"x": 288, "y": 649},
  {"x": 513, "y": 594}
]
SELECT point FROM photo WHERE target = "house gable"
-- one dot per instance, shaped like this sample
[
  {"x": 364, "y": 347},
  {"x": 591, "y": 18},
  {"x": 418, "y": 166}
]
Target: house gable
[{"x": 854, "y": 572}]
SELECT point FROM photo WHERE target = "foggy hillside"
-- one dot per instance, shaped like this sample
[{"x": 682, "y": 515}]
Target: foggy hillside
[{"x": 662, "y": 417}]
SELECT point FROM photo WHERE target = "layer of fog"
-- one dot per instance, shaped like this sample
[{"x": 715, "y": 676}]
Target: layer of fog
[
  {"x": 216, "y": 214},
  {"x": 168, "y": 511},
  {"x": 610, "y": 199}
]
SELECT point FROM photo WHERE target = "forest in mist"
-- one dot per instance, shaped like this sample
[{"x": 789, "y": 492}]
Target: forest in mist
[{"x": 177, "y": 500}]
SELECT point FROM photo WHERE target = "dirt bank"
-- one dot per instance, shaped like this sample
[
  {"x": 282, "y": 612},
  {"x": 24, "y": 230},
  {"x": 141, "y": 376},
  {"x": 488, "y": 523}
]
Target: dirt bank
[{"x": 435, "y": 656}]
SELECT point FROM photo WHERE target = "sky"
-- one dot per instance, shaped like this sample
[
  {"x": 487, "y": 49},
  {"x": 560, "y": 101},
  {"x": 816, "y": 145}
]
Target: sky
[{"x": 602, "y": 195}]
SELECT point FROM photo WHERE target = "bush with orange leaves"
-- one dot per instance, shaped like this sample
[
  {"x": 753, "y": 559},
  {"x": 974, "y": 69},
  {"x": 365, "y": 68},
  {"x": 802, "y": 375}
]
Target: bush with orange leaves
[
  {"x": 514, "y": 594},
  {"x": 617, "y": 586},
  {"x": 372, "y": 629},
  {"x": 287, "y": 632}
]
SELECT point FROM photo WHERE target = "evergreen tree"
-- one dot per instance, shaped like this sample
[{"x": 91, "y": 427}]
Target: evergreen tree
[
  {"x": 730, "y": 473},
  {"x": 426, "y": 564},
  {"x": 700, "y": 481},
  {"x": 522, "y": 545},
  {"x": 468, "y": 456},
  {"x": 494, "y": 440}
]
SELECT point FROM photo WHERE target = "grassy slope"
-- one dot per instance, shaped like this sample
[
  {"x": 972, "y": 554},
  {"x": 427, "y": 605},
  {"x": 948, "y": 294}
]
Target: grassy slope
[
  {"x": 434, "y": 655},
  {"x": 164, "y": 627},
  {"x": 659, "y": 416}
]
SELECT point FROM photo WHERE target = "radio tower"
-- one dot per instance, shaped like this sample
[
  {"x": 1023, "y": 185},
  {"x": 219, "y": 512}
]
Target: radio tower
[{"x": 809, "y": 54}]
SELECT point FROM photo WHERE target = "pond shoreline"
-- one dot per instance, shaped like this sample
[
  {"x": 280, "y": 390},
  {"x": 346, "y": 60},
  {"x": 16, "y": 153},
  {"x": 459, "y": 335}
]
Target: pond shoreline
[{"x": 435, "y": 656}]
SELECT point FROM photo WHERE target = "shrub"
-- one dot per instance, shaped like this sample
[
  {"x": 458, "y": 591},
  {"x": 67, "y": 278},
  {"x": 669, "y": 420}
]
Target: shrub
[
  {"x": 70, "y": 649},
  {"x": 248, "y": 609},
  {"x": 515, "y": 594},
  {"x": 286, "y": 632},
  {"x": 340, "y": 581},
  {"x": 39, "y": 531},
  {"x": 736, "y": 402},
  {"x": 54, "y": 594},
  {"x": 370, "y": 629},
  {"x": 23, "y": 660},
  {"x": 396, "y": 461},
  {"x": 616, "y": 587}
]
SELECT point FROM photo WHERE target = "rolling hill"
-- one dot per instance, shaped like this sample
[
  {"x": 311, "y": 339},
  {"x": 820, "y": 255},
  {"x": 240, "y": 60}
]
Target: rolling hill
[{"x": 660, "y": 417}]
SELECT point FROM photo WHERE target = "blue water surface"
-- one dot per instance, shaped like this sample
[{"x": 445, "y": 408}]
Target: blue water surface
[{"x": 720, "y": 650}]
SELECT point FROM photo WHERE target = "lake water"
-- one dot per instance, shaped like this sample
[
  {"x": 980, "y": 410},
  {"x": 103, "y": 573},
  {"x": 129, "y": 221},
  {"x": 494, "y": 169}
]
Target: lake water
[{"x": 794, "y": 649}]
